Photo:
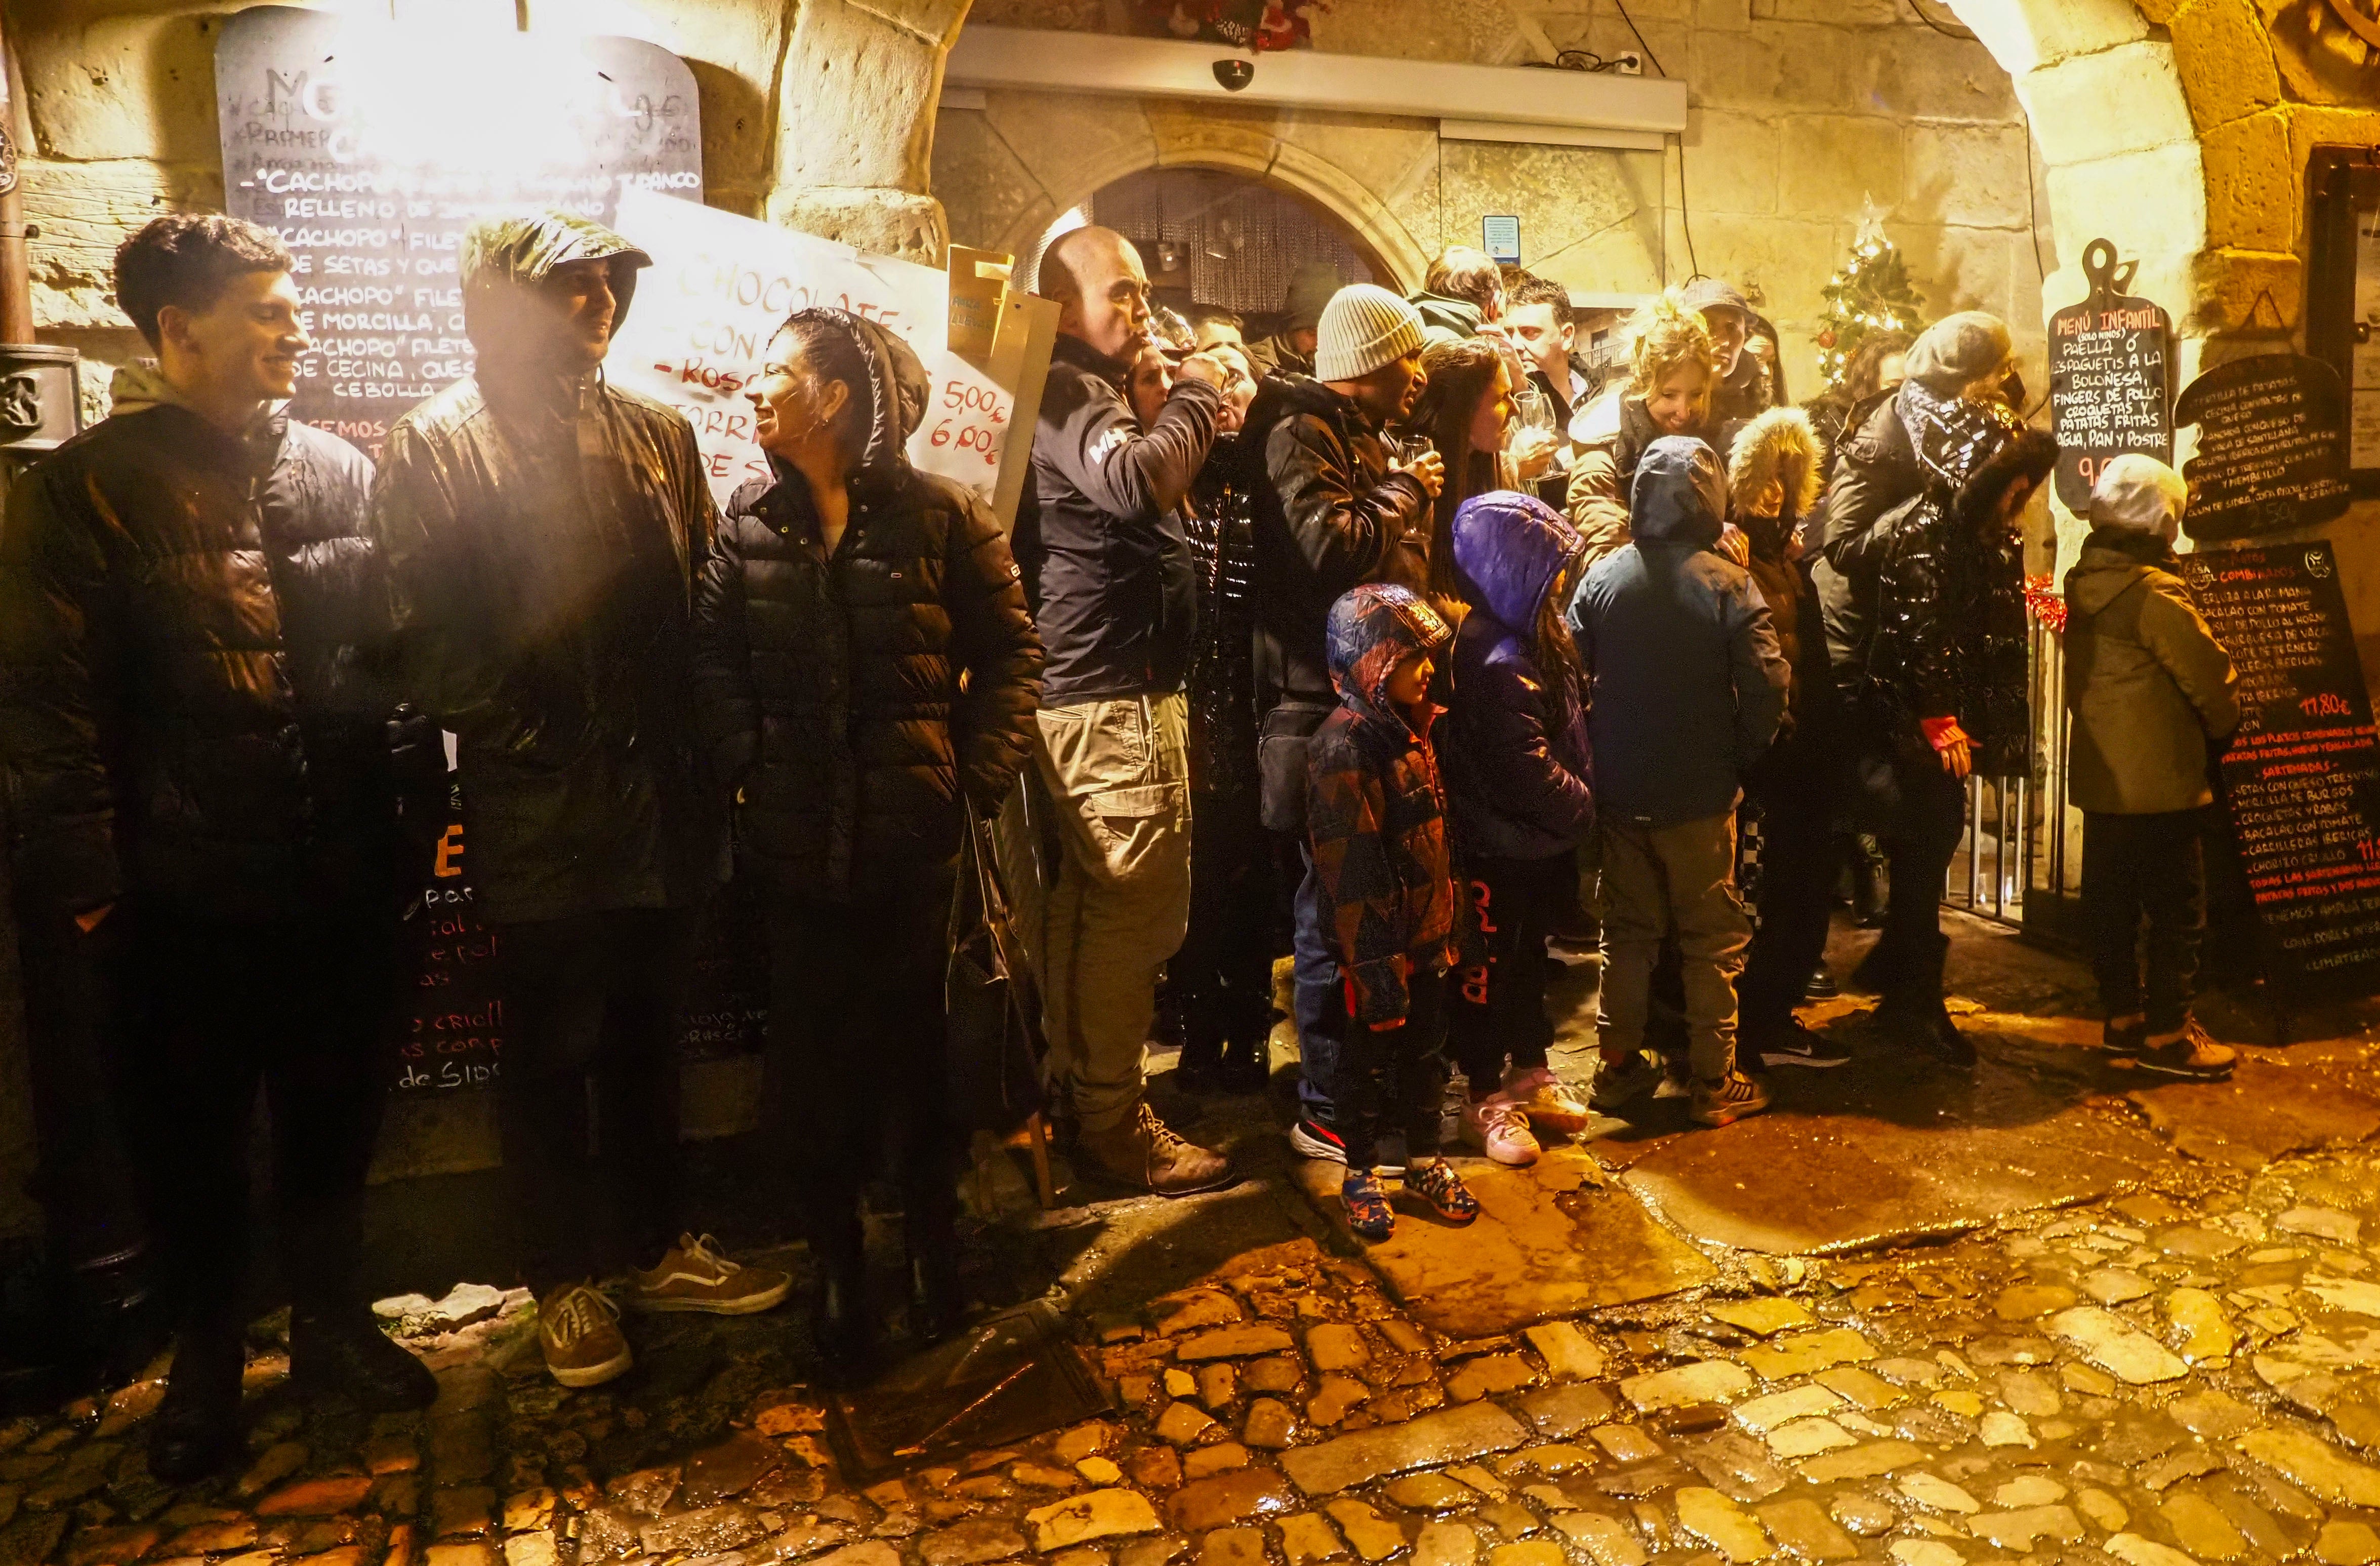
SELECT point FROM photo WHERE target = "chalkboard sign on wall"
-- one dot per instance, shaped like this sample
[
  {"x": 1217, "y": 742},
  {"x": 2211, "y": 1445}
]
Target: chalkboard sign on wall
[
  {"x": 2110, "y": 381},
  {"x": 370, "y": 148},
  {"x": 2302, "y": 778},
  {"x": 2272, "y": 446}
]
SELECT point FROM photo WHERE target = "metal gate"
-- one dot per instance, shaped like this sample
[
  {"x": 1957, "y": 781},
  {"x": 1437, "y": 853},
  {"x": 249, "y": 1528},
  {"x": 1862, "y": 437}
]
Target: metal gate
[{"x": 2021, "y": 861}]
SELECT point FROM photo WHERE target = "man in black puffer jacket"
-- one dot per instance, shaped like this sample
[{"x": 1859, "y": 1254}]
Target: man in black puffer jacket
[
  {"x": 865, "y": 672},
  {"x": 197, "y": 723}
]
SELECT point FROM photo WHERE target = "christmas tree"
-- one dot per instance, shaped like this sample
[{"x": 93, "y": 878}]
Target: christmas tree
[{"x": 1871, "y": 293}]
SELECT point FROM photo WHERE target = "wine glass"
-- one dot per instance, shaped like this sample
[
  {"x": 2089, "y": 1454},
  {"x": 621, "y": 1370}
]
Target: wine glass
[{"x": 1531, "y": 430}]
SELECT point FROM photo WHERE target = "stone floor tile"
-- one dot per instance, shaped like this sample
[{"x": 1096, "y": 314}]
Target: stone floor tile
[
  {"x": 1867, "y": 1460},
  {"x": 1708, "y": 1380},
  {"x": 1509, "y": 1518},
  {"x": 1862, "y": 1388},
  {"x": 2315, "y": 1465},
  {"x": 2347, "y": 1544},
  {"x": 1762, "y": 1414},
  {"x": 2134, "y": 1550},
  {"x": 1940, "y": 1495},
  {"x": 1213, "y": 1460},
  {"x": 2322, "y": 1223},
  {"x": 1448, "y": 1543},
  {"x": 1808, "y": 1354},
  {"x": 1607, "y": 1540},
  {"x": 1803, "y": 1530},
  {"x": 1245, "y": 1495},
  {"x": 1372, "y": 1536},
  {"x": 1232, "y": 1342},
  {"x": 1184, "y": 1424},
  {"x": 2116, "y": 1285},
  {"x": 1807, "y": 1437},
  {"x": 2001, "y": 1428},
  {"x": 2023, "y": 1302},
  {"x": 1470, "y": 1430},
  {"x": 1626, "y": 1443},
  {"x": 1335, "y": 1346},
  {"x": 2203, "y": 1332},
  {"x": 1570, "y": 1355},
  {"x": 1095, "y": 1514},
  {"x": 1925, "y": 1552},
  {"x": 1529, "y": 1552},
  {"x": 969, "y": 1543},
  {"x": 1308, "y": 1536},
  {"x": 1560, "y": 1412},
  {"x": 2201, "y": 1528},
  {"x": 2018, "y": 1530},
  {"x": 1722, "y": 1524},
  {"x": 2116, "y": 1346},
  {"x": 1233, "y": 1546},
  {"x": 1764, "y": 1316},
  {"x": 1489, "y": 1374},
  {"x": 316, "y": 1497},
  {"x": 1432, "y": 1492}
]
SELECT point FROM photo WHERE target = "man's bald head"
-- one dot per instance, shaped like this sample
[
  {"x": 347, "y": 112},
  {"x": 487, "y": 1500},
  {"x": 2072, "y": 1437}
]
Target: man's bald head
[{"x": 1100, "y": 289}]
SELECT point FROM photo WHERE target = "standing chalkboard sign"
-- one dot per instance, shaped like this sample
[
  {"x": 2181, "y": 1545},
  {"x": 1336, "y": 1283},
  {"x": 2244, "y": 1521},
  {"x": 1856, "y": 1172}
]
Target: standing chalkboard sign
[
  {"x": 369, "y": 147},
  {"x": 2110, "y": 377},
  {"x": 2302, "y": 778},
  {"x": 2272, "y": 447},
  {"x": 453, "y": 1035}
]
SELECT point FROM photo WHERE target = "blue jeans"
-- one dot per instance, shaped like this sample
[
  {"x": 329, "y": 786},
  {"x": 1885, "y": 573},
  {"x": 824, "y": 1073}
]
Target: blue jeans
[{"x": 1314, "y": 975}]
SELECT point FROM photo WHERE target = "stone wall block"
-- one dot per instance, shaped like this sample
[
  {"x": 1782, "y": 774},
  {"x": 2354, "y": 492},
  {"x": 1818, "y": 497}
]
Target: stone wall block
[
  {"x": 1416, "y": 30},
  {"x": 989, "y": 199},
  {"x": 1072, "y": 145},
  {"x": 2226, "y": 60},
  {"x": 1727, "y": 15},
  {"x": 2025, "y": 35},
  {"x": 1189, "y": 133},
  {"x": 1731, "y": 161},
  {"x": 84, "y": 211},
  {"x": 1400, "y": 215},
  {"x": 2096, "y": 105},
  {"x": 857, "y": 102},
  {"x": 1832, "y": 163},
  {"x": 879, "y": 221},
  {"x": 1969, "y": 175},
  {"x": 2226, "y": 282},
  {"x": 1836, "y": 13},
  {"x": 1778, "y": 67},
  {"x": 2149, "y": 203},
  {"x": 2252, "y": 184},
  {"x": 1917, "y": 73},
  {"x": 934, "y": 23},
  {"x": 117, "y": 86}
]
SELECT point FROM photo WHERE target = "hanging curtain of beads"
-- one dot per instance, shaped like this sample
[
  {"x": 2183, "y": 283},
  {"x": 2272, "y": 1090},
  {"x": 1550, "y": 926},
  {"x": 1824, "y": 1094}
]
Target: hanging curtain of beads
[{"x": 1210, "y": 237}]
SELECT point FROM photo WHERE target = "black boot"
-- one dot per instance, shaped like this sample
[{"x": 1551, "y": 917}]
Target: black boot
[
  {"x": 1247, "y": 1064},
  {"x": 1867, "y": 888},
  {"x": 938, "y": 1302},
  {"x": 196, "y": 1430},
  {"x": 1200, "y": 1068},
  {"x": 1913, "y": 1012},
  {"x": 841, "y": 1323},
  {"x": 341, "y": 1350}
]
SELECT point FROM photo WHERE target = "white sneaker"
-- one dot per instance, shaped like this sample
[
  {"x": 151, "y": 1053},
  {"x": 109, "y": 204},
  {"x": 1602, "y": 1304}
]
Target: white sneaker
[
  {"x": 1551, "y": 1103},
  {"x": 1500, "y": 1129}
]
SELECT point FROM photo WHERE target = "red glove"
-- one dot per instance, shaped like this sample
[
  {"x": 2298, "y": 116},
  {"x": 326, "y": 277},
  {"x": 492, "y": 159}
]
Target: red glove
[{"x": 1950, "y": 743}]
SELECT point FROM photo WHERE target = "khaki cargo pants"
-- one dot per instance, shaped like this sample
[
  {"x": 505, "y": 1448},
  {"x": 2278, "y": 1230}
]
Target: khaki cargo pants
[
  {"x": 1117, "y": 775},
  {"x": 1679, "y": 880}
]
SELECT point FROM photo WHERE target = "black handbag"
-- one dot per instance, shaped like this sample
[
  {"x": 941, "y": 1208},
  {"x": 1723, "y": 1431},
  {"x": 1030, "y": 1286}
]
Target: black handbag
[{"x": 995, "y": 1044}]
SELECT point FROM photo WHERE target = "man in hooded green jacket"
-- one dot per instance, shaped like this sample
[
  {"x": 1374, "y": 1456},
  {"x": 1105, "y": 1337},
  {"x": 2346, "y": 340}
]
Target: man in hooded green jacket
[{"x": 544, "y": 530}]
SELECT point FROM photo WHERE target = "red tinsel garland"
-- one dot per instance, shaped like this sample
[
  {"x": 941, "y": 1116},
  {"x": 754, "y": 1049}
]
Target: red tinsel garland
[{"x": 2045, "y": 602}]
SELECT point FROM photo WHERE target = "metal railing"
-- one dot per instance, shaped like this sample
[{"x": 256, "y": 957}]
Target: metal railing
[{"x": 2020, "y": 863}]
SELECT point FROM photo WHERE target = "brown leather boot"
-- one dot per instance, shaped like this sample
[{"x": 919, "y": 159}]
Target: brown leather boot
[{"x": 1140, "y": 1151}]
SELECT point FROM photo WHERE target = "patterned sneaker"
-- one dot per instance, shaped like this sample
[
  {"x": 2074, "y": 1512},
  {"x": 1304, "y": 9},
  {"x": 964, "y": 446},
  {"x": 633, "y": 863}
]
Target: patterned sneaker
[
  {"x": 1728, "y": 1100},
  {"x": 693, "y": 1276},
  {"x": 578, "y": 1331},
  {"x": 1442, "y": 1191},
  {"x": 1370, "y": 1217},
  {"x": 1551, "y": 1103},
  {"x": 1616, "y": 1087},
  {"x": 2189, "y": 1055},
  {"x": 1500, "y": 1131}
]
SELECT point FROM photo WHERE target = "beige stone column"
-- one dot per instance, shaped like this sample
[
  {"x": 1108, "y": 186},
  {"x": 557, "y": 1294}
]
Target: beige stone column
[{"x": 856, "y": 124}]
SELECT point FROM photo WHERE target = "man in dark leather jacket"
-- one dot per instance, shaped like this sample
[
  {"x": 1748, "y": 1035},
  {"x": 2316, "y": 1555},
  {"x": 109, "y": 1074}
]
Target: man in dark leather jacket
[
  {"x": 1332, "y": 512},
  {"x": 196, "y": 725},
  {"x": 543, "y": 530}
]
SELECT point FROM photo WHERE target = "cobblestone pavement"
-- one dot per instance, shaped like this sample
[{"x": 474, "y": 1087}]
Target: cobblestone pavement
[{"x": 2185, "y": 1368}]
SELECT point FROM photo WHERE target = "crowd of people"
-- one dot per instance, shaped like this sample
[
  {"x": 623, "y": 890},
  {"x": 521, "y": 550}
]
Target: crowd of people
[{"x": 1306, "y": 647}]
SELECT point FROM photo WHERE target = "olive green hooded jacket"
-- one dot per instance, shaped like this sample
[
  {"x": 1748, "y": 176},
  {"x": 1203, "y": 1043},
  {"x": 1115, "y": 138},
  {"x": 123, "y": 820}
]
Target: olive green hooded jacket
[
  {"x": 2145, "y": 679},
  {"x": 543, "y": 531}
]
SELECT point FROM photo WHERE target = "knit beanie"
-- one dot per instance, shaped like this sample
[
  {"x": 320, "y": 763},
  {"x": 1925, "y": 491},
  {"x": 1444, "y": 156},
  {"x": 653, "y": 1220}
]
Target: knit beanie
[
  {"x": 1363, "y": 328},
  {"x": 1310, "y": 287},
  {"x": 2141, "y": 493},
  {"x": 1959, "y": 350}
]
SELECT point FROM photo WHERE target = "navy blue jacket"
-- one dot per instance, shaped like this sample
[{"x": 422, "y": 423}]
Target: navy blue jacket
[
  {"x": 1515, "y": 743},
  {"x": 1107, "y": 565},
  {"x": 1686, "y": 682}
]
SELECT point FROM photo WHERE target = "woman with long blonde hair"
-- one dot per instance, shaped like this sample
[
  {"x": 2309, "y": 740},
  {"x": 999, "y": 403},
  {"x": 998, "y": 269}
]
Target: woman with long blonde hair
[{"x": 1672, "y": 371}]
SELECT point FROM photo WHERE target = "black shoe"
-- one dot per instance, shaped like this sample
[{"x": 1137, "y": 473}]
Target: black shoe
[
  {"x": 1926, "y": 1029},
  {"x": 938, "y": 1303},
  {"x": 196, "y": 1430},
  {"x": 343, "y": 1352},
  {"x": 840, "y": 1322},
  {"x": 1790, "y": 1043},
  {"x": 1822, "y": 985},
  {"x": 1200, "y": 1074},
  {"x": 1882, "y": 970},
  {"x": 1247, "y": 1066}
]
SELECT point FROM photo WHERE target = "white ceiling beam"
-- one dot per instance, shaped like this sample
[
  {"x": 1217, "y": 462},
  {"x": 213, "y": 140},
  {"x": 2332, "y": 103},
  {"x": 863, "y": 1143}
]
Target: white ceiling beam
[
  {"x": 1034, "y": 60},
  {"x": 1550, "y": 135}
]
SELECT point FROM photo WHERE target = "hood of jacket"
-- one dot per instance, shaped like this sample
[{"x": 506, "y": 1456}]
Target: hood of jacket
[
  {"x": 141, "y": 385},
  {"x": 1779, "y": 447},
  {"x": 1445, "y": 313},
  {"x": 501, "y": 254},
  {"x": 1508, "y": 549},
  {"x": 1953, "y": 436},
  {"x": 2021, "y": 455},
  {"x": 2111, "y": 561},
  {"x": 1372, "y": 629},
  {"x": 897, "y": 392},
  {"x": 1679, "y": 496}
]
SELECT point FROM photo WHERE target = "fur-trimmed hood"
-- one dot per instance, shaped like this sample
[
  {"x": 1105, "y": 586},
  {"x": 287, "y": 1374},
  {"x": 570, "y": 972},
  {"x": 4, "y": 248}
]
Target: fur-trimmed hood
[{"x": 1781, "y": 447}]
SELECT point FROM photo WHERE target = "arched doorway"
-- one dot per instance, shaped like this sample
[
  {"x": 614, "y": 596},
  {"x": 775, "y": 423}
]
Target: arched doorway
[{"x": 1220, "y": 238}]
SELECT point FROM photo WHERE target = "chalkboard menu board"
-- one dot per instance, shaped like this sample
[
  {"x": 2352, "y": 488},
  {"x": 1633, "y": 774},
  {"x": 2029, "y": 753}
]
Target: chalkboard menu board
[
  {"x": 2110, "y": 381},
  {"x": 454, "y": 1034},
  {"x": 370, "y": 148},
  {"x": 2272, "y": 446},
  {"x": 2302, "y": 776}
]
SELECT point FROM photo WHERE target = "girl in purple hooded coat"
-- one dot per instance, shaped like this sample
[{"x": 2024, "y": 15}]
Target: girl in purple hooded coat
[{"x": 1518, "y": 779}]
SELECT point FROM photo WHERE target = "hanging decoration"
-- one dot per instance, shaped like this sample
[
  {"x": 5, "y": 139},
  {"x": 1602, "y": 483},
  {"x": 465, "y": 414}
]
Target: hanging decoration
[
  {"x": 1261, "y": 26},
  {"x": 1871, "y": 292}
]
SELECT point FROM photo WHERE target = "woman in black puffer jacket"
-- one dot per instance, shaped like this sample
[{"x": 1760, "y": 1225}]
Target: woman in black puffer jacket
[{"x": 864, "y": 669}]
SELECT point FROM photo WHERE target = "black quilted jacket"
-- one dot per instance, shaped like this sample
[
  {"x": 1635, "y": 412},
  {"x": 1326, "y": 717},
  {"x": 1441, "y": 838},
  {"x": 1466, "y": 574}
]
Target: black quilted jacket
[
  {"x": 830, "y": 688},
  {"x": 195, "y": 702}
]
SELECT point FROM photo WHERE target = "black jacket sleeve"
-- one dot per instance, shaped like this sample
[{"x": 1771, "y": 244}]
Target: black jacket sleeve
[
  {"x": 993, "y": 641},
  {"x": 1088, "y": 435},
  {"x": 60, "y": 639},
  {"x": 726, "y": 703},
  {"x": 1347, "y": 535},
  {"x": 1877, "y": 471}
]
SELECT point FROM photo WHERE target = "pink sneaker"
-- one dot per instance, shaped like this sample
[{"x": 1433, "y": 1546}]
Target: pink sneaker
[
  {"x": 1550, "y": 1104},
  {"x": 1501, "y": 1130}
]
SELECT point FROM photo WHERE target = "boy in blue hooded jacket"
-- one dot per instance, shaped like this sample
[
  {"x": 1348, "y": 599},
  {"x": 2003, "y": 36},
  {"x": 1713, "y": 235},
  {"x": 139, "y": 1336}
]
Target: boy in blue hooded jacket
[
  {"x": 1376, "y": 813},
  {"x": 1687, "y": 689}
]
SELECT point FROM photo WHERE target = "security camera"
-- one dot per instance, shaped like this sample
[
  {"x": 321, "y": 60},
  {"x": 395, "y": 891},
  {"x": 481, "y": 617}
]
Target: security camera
[{"x": 1233, "y": 74}]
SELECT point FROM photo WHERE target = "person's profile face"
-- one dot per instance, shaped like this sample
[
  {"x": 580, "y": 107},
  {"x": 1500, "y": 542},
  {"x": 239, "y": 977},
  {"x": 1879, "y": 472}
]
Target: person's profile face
[
  {"x": 577, "y": 308},
  {"x": 1727, "y": 332},
  {"x": 1532, "y": 328},
  {"x": 1145, "y": 387},
  {"x": 789, "y": 405},
  {"x": 1495, "y": 411},
  {"x": 1408, "y": 683},
  {"x": 247, "y": 343},
  {"x": 1109, "y": 313}
]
